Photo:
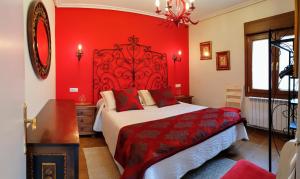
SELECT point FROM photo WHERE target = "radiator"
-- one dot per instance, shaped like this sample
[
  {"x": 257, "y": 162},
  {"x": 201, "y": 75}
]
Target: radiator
[{"x": 256, "y": 113}]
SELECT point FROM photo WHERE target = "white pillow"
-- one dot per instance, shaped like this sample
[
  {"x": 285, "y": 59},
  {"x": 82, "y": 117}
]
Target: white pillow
[
  {"x": 109, "y": 99},
  {"x": 141, "y": 100},
  {"x": 146, "y": 97}
]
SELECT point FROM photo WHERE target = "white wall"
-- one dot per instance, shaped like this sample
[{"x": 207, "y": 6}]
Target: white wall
[
  {"x": 37, "y": 92},
  {"x": 226, "y": 33},
  {"x": 12, "y": 158}
]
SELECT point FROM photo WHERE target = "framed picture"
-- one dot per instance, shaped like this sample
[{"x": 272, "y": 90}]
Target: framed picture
[
  {"x": 205, "y": 50},
  {"x": 223, "y": 60}
]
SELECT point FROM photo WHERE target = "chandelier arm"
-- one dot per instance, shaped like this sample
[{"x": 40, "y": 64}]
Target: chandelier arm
[
  {"x": 172, "y": 14},
  {"x": 193, "y": 22},
  {"x": 184, "y": 8},
  {"x": 186, "y": 19},
  {"x": 187, "y": 13}
]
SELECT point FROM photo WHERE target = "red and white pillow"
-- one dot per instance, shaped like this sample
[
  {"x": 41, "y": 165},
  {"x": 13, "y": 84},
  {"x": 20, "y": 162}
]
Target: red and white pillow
[
  {"x": 127, "y": 99},
  {"x": 131, "y": 99},
  {"x": 163, "y": 97}
]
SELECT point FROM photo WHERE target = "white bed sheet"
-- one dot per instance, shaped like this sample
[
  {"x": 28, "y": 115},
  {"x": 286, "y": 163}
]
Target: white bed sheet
[{"x": 178, "y": 164}]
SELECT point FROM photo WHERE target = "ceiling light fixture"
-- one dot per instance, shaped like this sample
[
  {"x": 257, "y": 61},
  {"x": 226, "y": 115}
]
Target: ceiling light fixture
[{"x": 177, "y": 11}]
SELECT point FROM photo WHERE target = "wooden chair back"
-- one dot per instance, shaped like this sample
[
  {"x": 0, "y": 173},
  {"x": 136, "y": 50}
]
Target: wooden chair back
[{"x": 234, "y": 96}]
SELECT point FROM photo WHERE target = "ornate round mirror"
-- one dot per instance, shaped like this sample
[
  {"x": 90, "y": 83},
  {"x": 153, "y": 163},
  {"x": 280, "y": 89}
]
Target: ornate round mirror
[{"x": 39, "y": 39}]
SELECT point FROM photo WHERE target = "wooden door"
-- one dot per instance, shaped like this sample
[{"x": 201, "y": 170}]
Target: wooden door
[{"x": 12, "y": 89}]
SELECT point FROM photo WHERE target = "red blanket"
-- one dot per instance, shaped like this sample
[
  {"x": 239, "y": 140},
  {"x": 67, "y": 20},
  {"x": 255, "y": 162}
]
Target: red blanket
[{"x": 141, "y": 145}]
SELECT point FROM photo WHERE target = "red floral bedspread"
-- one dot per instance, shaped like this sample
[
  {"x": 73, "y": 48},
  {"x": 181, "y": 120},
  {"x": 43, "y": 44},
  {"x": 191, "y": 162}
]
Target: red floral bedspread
[{"x": 141, "y": 145}]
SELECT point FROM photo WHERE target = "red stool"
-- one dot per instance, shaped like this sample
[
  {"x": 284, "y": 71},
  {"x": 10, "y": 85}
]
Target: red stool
[{"x": 247, "y": 170}]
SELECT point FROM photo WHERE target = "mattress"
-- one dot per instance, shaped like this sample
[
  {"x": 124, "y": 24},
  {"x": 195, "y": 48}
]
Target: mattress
[{"x": 110, "y": 122}]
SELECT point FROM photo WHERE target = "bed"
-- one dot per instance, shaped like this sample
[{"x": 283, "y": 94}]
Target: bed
[
  {"x": 136, "y": 65},
  {"x": 110, "y": 123}
]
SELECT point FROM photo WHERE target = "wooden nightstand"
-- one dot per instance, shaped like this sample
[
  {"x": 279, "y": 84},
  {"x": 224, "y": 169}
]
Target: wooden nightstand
[
  {"x": 184, "y": 99},
  {"x": 85, "y": 117}
]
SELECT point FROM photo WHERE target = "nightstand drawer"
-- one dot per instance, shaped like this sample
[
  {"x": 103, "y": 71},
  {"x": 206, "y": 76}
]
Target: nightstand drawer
[
  {"x": 85, "y": 128},
  {"x": 184, "y": 99},
  {"x": 85, "y": 120},
  {"x": 85, "y": 112}
]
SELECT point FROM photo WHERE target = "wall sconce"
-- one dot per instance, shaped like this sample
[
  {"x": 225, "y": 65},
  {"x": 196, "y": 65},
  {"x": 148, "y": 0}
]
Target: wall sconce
[
  {"x": 79, "y": 52},
  {"x": 177, "y": 58}
]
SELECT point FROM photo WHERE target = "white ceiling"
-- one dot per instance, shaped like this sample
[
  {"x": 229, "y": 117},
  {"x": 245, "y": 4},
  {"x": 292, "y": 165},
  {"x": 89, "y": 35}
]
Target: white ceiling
[{"x": 204, "y": 8}]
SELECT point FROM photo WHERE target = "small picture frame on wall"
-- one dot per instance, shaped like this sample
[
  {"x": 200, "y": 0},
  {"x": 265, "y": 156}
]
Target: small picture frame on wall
[
  {"x": 223, "y": 60},
  {"x": 205, "y": 50}
]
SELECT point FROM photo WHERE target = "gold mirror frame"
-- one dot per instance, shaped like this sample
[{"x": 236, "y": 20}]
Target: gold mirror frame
[{"x": 37, "y": 12}]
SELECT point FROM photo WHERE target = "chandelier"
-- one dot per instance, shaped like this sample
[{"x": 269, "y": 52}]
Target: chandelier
[{"x": 177, "y": 11}]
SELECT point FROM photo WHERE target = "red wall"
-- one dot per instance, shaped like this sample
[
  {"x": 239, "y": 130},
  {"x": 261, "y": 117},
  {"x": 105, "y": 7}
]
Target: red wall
[{"x": 102, "y": 29}]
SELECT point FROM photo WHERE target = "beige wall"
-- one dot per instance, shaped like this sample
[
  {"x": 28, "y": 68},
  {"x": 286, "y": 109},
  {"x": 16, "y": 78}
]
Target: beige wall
[
  {"x": 37, "y": 92},
  {"x": 12, "y": 158},
  {"x": 226, "y": 33}
]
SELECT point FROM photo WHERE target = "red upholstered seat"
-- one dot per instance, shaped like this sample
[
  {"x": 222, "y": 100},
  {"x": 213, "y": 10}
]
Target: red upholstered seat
[
  {"x": 231, "y": 109},
  {"x": 247, "y": 170}
]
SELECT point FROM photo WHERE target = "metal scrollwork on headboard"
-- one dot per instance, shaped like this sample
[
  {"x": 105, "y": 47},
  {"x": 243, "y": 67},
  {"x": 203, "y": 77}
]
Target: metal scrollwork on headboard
[{"x": 128, "y": 65}]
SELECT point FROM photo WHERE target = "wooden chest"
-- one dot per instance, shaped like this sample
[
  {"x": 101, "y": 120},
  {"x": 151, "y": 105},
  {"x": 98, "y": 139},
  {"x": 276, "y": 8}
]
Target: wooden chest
[{"x": 53, "y": 146}]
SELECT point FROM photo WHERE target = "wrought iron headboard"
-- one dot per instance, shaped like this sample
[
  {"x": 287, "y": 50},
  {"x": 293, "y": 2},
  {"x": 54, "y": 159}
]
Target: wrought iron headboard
[{"x": 128, "y": 65}]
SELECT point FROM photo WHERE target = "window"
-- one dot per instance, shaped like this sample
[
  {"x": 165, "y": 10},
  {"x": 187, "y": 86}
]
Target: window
[
  {"x": 257, "y": 66},
  {"x": 257, "y": 55},
  {"x": 260, "y": 65}
]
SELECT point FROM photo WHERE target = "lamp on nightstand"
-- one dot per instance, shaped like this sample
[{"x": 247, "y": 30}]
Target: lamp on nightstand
[{"x": 178, "y": 89}]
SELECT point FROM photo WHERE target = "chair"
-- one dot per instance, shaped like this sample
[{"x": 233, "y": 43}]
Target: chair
[
  {"x": 287, "y": 166},
  {"x": 287, "y": 161},
  {"x": 233, "y": 98}
]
